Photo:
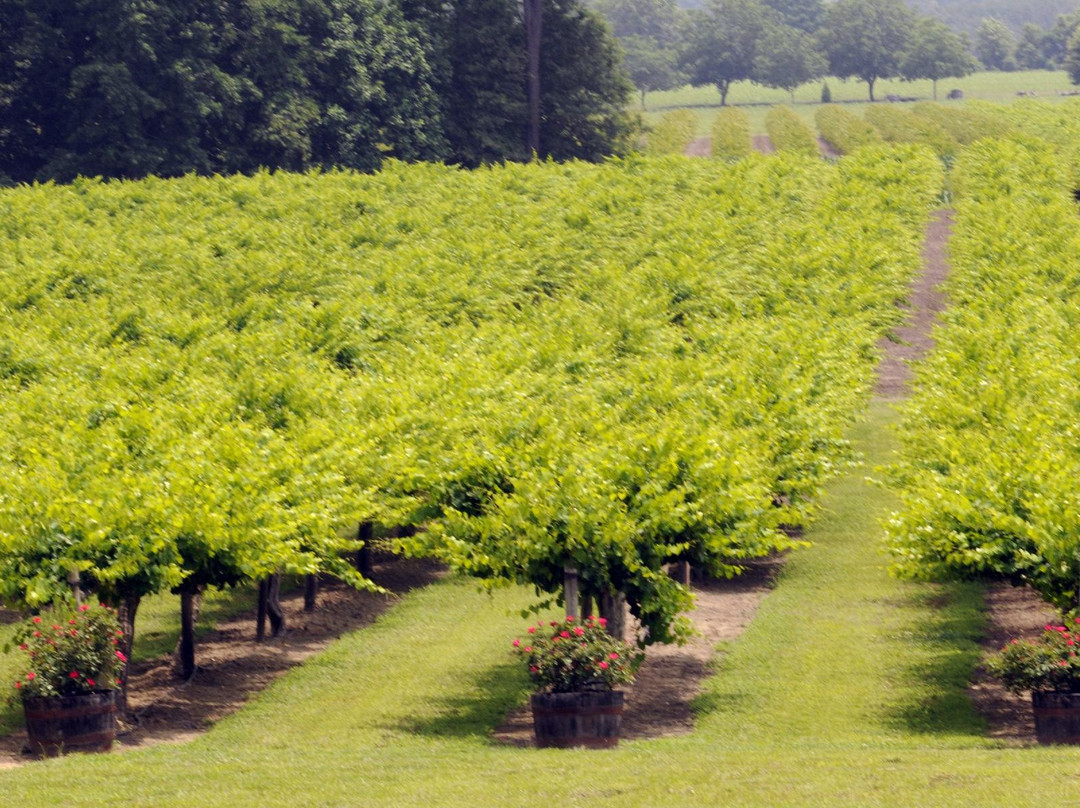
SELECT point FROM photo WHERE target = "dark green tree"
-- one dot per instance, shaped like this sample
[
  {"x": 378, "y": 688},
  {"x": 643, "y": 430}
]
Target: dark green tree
[
  {"x": 1056, "y": 41},
  {"x": 585, "y": 91},
  {"x": 995, "y": 45},
  {"x": 788, "y": 58},
  {"x": 722, "y": 42},
  {"x": 484, "y": 109},
  {"x": 1072, "y": 58},
  {"x": 866, "y": 39},
  {"x": 936, "y": 52},
  {"x": 806, "y": 15},
  {"x": 1031, "y": 48},
  {"x": 650, "y": 66},
  {"x": 655, "y": 20}
]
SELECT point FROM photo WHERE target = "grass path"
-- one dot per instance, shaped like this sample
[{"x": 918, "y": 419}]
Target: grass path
[{"x": 847, "y": 690}]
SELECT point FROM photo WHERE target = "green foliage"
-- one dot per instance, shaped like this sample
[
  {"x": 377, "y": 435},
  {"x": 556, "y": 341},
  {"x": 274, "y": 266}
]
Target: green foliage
[
  {"x": 988, "y": 480},
  {"x": 826, "y": 93},
  {"x": 1072, "y": 58},
  {"x": 788, "y": 132},
  {"x": 964, "y": 123},
  {"x": 866, "y": 39},
  {"x": 650, "y": 66},
  {"x": 69, "y": 651},
  {"x": 1049, "y": 663},
  {"x": 788, "y": 58},
  {"x": 672, "y": 133},
  {"x": 805, "y": 15},
  {"x": 570, "y": 656},
  {"x": 722, "y": 41},
  {"x": 898, "y": 125},
  {"x": 995, "y": 45},
  {"x": 585, "y": 91},
  {"x": 844, "y": 130},
  {"x": 730, "y": 134},
  {"x": 936, "y": 52}
]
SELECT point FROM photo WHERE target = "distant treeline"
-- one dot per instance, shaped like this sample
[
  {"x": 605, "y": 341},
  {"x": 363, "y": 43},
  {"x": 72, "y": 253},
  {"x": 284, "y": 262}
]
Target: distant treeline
[
  {"x": 787, "y": 43},
  {"x": 168, "y": 87}
]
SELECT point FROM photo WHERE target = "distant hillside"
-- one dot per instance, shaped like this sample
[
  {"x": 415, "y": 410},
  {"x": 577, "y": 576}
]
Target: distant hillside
[{"x": 964, "y": 15}]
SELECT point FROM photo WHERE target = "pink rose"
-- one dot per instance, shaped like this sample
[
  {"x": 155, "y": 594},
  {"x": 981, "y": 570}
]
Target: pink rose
[{"x": 603, "y": 665}]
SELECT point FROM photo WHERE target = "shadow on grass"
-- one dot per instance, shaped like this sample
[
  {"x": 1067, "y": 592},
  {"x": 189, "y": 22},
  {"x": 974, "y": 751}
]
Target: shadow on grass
[
  {"x": 946, "y": 652},
  {"x": 476, "y": 708}
]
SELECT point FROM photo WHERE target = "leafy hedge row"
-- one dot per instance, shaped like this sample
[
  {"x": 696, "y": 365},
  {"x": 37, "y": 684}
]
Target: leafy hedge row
[
  {"x": 990, "y": 461},
  {"x": 205, "y": 380},
  {"x": 844, "y": 130},
  {"x": 789, "y": 133},
  {"x": 966, "y": 125},
  {"x": 901, "y": 126},
  {"x": 672, "y": 133},
  {"x": 731, "y": 134}
]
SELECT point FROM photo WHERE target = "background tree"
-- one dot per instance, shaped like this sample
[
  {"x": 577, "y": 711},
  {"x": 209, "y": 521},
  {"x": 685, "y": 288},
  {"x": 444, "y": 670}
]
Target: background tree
[
  {"x": 484, "y": 109},
  {"x": 657, "y": 20},
  {"x": 722, "y": 42},
  {"x": 788, "y": 58},
  {"x": 1056, "y": 42},
  {"x": 1031, "y": 48},
  {"x": 648, "y": 31},
  {"x": 806, "y": 15},
  {"x": 866, "y": 39},
  {"x": 995, "y": 45},
  {"x": 1072, "y": 58},
  {"x": 649, "y": 66},
  {"x": 936, "y": 52},
  {"x": 585, "y": 91}
]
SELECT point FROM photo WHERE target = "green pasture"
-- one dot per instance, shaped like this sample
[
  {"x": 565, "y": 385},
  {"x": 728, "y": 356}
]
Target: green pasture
[
  {"x": 847, "y": 690},
  {"x": 756, "y": 99}
]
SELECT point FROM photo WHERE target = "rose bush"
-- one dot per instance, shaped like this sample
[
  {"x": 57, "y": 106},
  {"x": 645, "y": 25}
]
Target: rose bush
[
  {"x": 573, "y": 655},
  {"x": 1048, "y": 663},
  {"x": 70, "y": 651}
]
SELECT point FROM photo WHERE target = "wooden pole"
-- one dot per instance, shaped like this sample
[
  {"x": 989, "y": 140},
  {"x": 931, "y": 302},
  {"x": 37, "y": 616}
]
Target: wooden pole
[
  {"x": 365, "y": 533},
  {"x": 570, "y": 591}
]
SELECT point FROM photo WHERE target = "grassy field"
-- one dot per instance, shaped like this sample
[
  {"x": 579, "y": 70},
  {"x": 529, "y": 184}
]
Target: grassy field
[
  {"x": 986, "y": 86},
  {"x": 847, "y": 690}
]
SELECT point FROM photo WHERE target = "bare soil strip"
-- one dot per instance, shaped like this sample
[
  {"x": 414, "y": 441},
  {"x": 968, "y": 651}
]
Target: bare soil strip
[
  {"x": 914, "y": 339},
  {"x": 699, "y": 147},
  {"x": 763, "y": 144},
  {"x": 1011, "y": 611}
]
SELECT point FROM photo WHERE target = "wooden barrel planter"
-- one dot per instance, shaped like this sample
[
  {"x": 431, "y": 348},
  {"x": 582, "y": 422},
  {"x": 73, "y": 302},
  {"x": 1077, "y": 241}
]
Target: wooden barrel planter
[
  {"x": 590, "y": 718},
  {"x": 83, "y": 723},
  {"x": 1057, "y": 716}
]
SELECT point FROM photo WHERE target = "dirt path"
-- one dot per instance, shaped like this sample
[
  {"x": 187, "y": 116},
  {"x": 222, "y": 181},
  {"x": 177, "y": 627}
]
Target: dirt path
[
  {"x": 827, "y": 149},
  {"x": 699, "y": 147},
  {"x": 763, "y": 144},
  {"x": 913, "y": 339},
  {"x": 1011, "y": 611}
]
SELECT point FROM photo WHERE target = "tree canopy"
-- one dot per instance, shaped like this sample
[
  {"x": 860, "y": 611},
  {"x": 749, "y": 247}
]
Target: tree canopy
[
  {"x": 936, "y": 52},
  {"x": 167, "y": 87},
  {"x": 866, "y": 39}
]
